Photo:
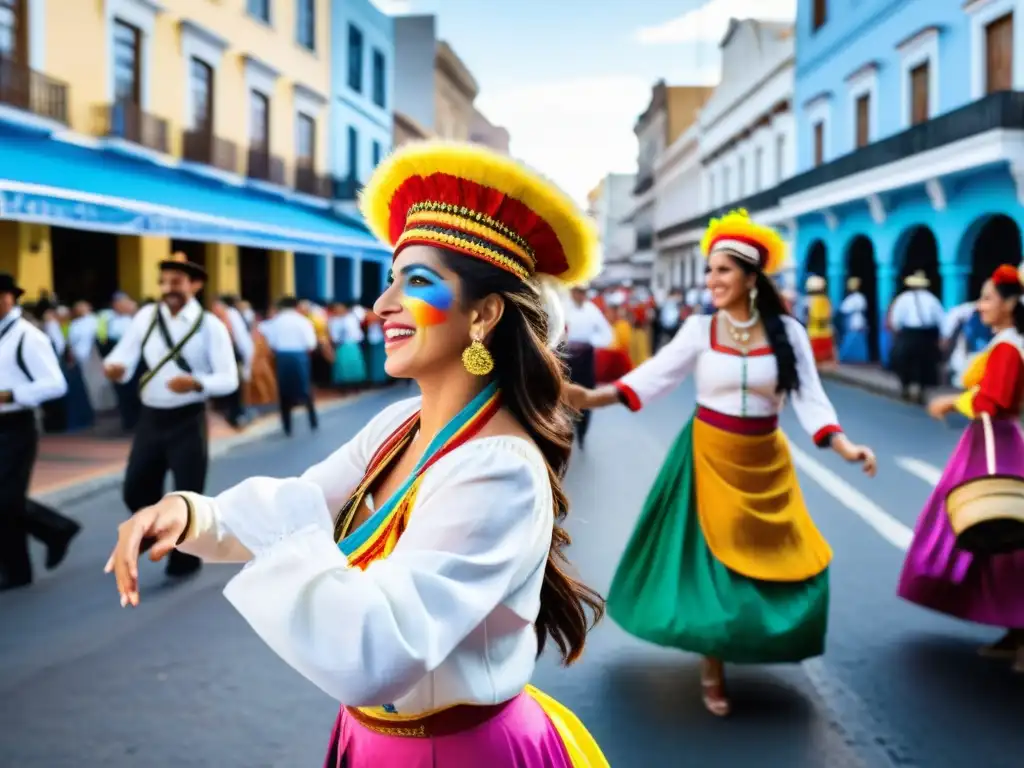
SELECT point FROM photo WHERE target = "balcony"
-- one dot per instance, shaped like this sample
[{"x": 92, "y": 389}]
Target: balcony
[
  {"x": 759, "y": 201},
  {"x": 126, "y": 120},
  {"x": 264, "y": 166},
  {"x": 310, "y": 182},
  {"x": 205, "y": 148},
  {"x": 644, "y": 181},
  {"x": 347, "y": 189},
  {"x": 31, "y": 91}
]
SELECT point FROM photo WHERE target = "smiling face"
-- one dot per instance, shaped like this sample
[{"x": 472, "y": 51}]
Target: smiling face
[
  {"x": 425, "y": 326},
  {"x": 995, "y": 311},
  {"x": 729, "y": 284}
]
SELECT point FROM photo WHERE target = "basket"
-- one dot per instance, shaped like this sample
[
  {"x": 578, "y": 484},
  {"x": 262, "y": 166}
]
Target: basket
[{"x": 987, "y": 513}]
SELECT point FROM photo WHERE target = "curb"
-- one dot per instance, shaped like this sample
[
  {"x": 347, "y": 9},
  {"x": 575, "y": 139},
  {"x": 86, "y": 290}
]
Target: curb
[
  {"x": 874, "y": 387},
  {"x": 95, "y": 485}
]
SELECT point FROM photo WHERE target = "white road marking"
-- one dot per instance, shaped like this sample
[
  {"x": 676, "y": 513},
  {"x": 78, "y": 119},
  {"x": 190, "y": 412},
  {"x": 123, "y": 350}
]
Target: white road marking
[
  {"x": 887, "y": 526},
  {"x": 922, "y": 469}
]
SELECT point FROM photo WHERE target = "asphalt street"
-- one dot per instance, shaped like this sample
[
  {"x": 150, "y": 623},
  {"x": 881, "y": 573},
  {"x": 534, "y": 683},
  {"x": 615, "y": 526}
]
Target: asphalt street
[{"x": 183, "y": 682}]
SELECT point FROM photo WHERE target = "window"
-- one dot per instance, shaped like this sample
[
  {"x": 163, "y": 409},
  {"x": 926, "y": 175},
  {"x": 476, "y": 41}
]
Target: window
[
  {"x": 13, "y": 40},
  {"x": 259, "y": 9},
  {"x": 818, "y": 132},
  {"x": 920, "y": 78},
  {"x": 376, "y": 154},
  {"x": 379, "y": 78},
  {"x": 127, "y": 61},
  {"x": 758, "y": 168},
  {"x": 820, "y": 14},
  {"x": 780, "y": 157},
  {"x": 201, "y": 83},
  {"x": 726, "y": 186},
  {"x": 305, "y": 23},
  {"x": 305, "y": 140},
  {"x": 862, "y": 116},
  {"x": 355, "y": 59},
  {"x": 259, "y": 120},
  {"x": 999, "y": 54},
  {"x": 353, "y": 153}
]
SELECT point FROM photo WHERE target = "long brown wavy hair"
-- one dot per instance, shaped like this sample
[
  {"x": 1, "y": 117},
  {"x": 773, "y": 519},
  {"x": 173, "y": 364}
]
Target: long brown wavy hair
[{"x": 531, "y": 377}]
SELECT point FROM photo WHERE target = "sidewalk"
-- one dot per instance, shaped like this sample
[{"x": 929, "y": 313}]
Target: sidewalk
[
  {"x": 875, "y": 379},
  {"x": 72, "y": 466}
]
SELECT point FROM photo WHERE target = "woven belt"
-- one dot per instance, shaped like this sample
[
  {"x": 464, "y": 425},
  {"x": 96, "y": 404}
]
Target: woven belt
[{"x": 447, "y": 722}]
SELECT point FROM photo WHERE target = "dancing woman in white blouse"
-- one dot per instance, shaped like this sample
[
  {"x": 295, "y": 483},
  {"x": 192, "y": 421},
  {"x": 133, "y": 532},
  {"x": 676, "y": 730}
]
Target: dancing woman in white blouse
[
  {"x": 725, "y": 560},
  {"x": 416, "y": 573}
]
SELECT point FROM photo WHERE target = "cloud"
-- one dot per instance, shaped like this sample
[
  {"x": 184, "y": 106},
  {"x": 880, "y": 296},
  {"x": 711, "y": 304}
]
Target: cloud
[
  {"x": 574, "y": 131},
  {"x": 394, "y": 7},
  {"x": 709, "y": 21}
]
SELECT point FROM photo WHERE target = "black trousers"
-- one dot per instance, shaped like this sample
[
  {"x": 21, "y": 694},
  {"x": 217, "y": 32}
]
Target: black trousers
[
  {"x": 582, "y": 371},
  {"x": 19, "y": 516},
  {"x": 174, "y": 440}
]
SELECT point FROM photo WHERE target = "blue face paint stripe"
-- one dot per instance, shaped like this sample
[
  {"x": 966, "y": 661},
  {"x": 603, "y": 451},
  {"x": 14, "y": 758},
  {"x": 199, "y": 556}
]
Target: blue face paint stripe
[{"x": 436, "y": 293}]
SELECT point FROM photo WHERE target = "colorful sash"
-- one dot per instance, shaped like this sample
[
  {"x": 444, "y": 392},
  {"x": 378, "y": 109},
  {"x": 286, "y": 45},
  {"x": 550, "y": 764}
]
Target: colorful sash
[{"x": 376, "y": 537}]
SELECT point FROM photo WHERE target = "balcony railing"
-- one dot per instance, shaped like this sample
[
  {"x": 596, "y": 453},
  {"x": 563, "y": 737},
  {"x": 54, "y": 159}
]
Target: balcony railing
[
  {"x": 312, "y": 183},
  {"x": 32, "y": 91},
  {"x": 347, "y": 189},
  {"x": 126, "y": 120},
  {"x": 201, "y": 146},
  {"x": 264, "y": 166},
  {"x": 644, "y": 181}
]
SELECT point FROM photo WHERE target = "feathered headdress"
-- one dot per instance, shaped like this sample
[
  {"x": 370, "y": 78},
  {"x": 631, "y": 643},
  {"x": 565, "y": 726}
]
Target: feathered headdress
[
  {"x": 736, "y": 234},
  {"x": 469, "y": 199}
]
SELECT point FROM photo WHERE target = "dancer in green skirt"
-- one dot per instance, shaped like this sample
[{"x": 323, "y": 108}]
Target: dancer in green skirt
[{"x": 725, "y": 561}]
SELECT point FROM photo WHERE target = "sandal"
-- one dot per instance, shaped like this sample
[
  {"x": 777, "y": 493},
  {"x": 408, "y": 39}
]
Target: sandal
[{"x": 713, "y": 692}]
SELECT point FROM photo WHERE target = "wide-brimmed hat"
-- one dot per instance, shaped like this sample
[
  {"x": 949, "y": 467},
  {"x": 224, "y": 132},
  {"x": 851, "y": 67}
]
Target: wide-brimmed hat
[
  {"x": 178, "y": 262},
  {"x": 917, "y": 280},
  {"x": 815, "y": 284},
  {"x": 9, "y": 285}
]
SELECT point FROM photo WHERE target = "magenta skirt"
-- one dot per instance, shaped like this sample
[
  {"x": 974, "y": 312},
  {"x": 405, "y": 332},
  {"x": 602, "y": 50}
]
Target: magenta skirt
[
  {"x": 519, "y": 736},
  {"x": 938, "y": 575}
]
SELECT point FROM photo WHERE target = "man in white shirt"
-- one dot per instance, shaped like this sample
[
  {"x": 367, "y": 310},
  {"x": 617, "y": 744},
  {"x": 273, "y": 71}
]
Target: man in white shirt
[
  {"x": 29, "y": 376},
  {"x": 188, "y": 358},
  {"x": 245, "y": 349},
  {"x": 586, "y": 329},
  {"x": 916, "y": 317},
  {"x": 292, "y": 338}
]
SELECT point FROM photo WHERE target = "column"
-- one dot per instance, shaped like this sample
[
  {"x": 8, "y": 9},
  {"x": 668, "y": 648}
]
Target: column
[
  {"x": 27, "y": 254},
  {"x": 327, "y": 276},
  {"x": 222, "y": 267},
  {"x": 357, "y": 278},
  {"x": 282, "y": 274},
  {"x": 955, "y": 278},
  {"x": 138, "y": 264}
]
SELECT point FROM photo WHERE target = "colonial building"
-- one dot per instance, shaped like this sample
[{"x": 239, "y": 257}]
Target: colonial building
[
  {"x": 200, "y": 127},
  {"x": 482, "y": 131},
  {"x": 672, "y": 110},
  {"x": 609, "y": 204},
  {"x": 740, "y": 151},
  {"x": 911, "y": 144}
]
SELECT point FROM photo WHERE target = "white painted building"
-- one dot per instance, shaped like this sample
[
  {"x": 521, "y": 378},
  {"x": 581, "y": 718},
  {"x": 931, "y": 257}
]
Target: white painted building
[
  {"x": 609, "y": 205},
  {"x": 678, "y": 192}
]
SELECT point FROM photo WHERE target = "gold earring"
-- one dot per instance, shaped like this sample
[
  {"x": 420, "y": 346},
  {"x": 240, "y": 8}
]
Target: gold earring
[{"x": 476, "y": 359}]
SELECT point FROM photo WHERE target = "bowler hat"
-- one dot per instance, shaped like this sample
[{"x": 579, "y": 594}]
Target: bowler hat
[
  {"x": 178, "y": 262},
  {"x": 9, "y": 285}
]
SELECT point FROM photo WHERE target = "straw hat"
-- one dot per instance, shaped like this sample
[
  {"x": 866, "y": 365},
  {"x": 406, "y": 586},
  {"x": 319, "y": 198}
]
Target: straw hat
[
  {"x": 815, "y": 284},
  {"x": 917, "y": 280}
]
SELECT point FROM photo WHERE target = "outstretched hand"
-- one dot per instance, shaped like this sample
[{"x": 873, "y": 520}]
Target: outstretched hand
[{"x": 163, "y": 524}]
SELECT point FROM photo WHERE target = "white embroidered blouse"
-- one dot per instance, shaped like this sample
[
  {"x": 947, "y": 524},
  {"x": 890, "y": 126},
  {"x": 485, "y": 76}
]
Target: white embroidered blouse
[
  {"x": 446, "y": 619},
  {"x": 731, "y": 383}
]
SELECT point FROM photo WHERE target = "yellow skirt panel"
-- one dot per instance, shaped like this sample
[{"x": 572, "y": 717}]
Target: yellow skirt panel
[
  {"x": 750, "y": 506},
  {"x": 581, "y": 746}
]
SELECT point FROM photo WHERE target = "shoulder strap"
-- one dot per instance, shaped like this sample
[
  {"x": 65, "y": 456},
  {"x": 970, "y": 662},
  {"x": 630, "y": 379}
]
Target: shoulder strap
[
  {"x": 19, "y": 357},
  {"x": 174, "y": 350}
]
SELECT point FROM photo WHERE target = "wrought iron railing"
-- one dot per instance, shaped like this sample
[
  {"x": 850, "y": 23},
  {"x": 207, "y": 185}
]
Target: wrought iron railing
[
  {"x": 201, "y": 146},
  {"x": 26, "y": 89},
  {"x": 264, "y": 166},
  {"x": 307, "y": 180},
  {"x": 127, "y": 120}
]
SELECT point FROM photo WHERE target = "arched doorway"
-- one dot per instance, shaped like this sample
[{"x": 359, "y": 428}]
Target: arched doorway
[
  {"x": 816, "y": 263},
  {"x": 996, "y": 240},
  {"x": 916, "y": 250},
  {"x": 860, "y": 263}
]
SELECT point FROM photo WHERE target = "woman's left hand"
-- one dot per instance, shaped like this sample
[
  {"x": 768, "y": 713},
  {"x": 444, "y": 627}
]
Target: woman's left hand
[
  {"x": 939, "y": 406},
  {"x": 856, "y": 453}
]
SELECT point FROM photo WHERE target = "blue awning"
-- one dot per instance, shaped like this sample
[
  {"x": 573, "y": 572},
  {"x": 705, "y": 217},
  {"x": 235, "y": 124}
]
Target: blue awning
[{"x": 50, "y": 181}]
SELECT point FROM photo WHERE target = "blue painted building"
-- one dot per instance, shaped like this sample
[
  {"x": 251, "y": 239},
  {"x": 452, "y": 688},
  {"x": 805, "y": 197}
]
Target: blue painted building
[
  {"x": 910, "y": 135},
  {"x": 361, "y": 130}
]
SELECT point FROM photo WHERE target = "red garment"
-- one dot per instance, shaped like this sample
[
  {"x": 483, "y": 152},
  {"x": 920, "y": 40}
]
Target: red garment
[
  {"x": 1001, "y": 391},
  {"x": 611, "y": 365}
]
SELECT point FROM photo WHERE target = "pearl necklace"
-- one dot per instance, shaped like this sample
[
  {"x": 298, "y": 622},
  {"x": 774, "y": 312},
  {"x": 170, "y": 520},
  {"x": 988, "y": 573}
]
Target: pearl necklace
[{"x": 738, "y": 329}]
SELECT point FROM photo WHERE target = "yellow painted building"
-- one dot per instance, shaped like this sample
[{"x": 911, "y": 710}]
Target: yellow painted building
[{"x": 241, "y": 87}]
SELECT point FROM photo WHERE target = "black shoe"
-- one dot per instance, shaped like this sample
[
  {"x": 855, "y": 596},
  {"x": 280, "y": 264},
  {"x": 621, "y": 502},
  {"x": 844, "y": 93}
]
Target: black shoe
[
  {"x": 56, "y": 552},
  {"x": 180, "y": 565}
]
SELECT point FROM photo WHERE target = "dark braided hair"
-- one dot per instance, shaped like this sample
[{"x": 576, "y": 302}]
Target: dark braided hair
[{"x": 772, "y": 308}]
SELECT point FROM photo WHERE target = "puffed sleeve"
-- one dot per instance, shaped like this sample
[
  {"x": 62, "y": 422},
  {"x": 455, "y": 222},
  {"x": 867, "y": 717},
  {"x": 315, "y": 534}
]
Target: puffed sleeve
[
  {"x": 480, "y": 526},
  {"x": 319, "y": 493},
  {"x": 667, "y": 369},
  {"x": 998, "y": 392},
  {"x": 813, "y": 409}
]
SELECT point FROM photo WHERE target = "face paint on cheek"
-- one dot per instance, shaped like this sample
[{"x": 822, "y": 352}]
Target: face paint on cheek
[{"x": 428, "y": 300}]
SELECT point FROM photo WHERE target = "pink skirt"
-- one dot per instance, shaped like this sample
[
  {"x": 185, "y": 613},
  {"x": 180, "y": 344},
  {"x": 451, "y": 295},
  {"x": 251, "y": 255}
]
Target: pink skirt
[
  {"x": 939, "y": 575},
  {"x": 519, "y": 736}
]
